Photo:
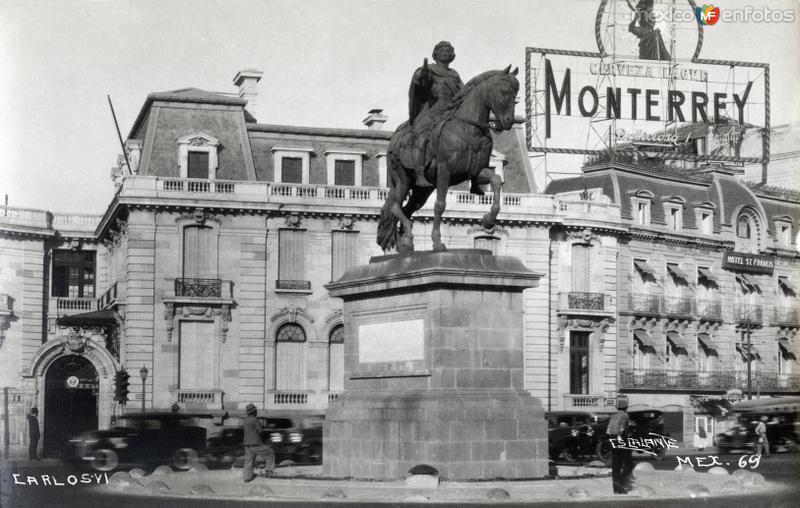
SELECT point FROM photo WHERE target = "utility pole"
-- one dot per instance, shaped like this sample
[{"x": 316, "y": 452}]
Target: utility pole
[{"x": 749, "y": 359}]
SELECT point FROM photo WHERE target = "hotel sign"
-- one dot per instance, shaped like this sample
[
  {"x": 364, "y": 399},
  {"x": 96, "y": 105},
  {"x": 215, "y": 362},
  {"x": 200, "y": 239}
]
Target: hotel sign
[{"x": 750, "y": 263}]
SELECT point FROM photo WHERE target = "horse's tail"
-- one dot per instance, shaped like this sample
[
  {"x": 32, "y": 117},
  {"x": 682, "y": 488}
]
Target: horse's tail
[{"x": 387, "y": 223}]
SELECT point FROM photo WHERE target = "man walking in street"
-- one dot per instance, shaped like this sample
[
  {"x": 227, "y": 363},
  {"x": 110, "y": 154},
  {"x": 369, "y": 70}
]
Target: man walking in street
[
  {"x": 253, "y": 447},
  {"x": 621, "y": 459},
  {"x": 33, "y": 434},
  {"x": 761, "y": 437}
]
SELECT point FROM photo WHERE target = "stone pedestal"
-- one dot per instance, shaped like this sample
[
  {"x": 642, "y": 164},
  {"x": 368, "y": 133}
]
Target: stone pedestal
[{"x": 434, "y": 370}]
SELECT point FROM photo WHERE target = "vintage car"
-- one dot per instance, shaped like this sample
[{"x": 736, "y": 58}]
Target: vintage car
[
  {"x": 562, "y": 427},
  {"x": 590, "y": 441},
  {"x": 142, "y": 440},
  {"x": 288, "y": 442},
  {"x": 782, "y": 433}
]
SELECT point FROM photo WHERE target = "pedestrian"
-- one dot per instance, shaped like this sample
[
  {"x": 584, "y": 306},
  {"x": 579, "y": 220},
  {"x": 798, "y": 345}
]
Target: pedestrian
[
  {"x": 33, "y": 434},
  {"x": 761, "y": 437},
  {"x": 253, "y": 447},
  {"x": 701, "y": 442},
  {"x": 621, "y": 458}
]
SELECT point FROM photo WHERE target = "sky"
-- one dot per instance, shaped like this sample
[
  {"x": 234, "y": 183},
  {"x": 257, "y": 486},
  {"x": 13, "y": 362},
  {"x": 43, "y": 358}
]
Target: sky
[{"x": 326, "y": 63}]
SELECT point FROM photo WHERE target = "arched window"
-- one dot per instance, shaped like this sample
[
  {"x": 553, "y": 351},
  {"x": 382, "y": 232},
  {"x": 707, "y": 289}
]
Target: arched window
[
  {"x": 290, "y": 357},
  {"x": 336, "y": 359},
  {"x": 743, "y": 227}
]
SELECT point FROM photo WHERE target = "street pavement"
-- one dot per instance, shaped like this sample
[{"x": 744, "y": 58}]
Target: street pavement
[{"x": 305, "y": 486}]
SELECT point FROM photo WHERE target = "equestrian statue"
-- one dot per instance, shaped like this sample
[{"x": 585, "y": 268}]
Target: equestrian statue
[{"x": 445, "y": 141}]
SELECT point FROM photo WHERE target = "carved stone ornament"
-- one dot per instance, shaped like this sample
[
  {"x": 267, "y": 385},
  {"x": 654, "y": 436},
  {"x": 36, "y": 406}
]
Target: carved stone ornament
[
  {"x": 292, "y": 312},
  {"x": 585, "y": 235},
  {"x": 676, "y": 325},
  {"x": 709, "y": 327},
  {"x": 198, "y": 141},
  {"x": 75, "y": 343},
  {"x": 293, "y": 220},
  {"x": 207, "y": 311},
  {"x": 198, "y": 216},
  {"x": 643, "y": 322},
  {"x": 347, "y": 222},
  {"x": 334, "y": 317},
  {"x": 598, "y": 325},
  {"x": 481, "y": 230}
]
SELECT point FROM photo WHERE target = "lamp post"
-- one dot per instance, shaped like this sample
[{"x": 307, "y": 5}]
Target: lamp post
[{"x": 143, "y": 373}]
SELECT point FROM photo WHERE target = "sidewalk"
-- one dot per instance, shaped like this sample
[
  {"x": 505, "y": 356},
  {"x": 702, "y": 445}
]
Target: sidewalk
[{"x": 305, "y": 483}]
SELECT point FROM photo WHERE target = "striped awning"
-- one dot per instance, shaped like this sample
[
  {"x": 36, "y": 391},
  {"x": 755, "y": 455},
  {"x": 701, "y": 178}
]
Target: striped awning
[
  {"x": 676, "y": 272},
  {"x": 745, "y": 280},
  {"x": 645, "y": 338},
  {"x": 643, "y": 267},
  {"x": 677, "y": 341},
  {"x": 741, "y": 348},
  {"x": 786, "y": 284},
  {"x": 786, "y": 345},
  {"x": 705, "y": 340},
  {"x": 707, "y": 275}
]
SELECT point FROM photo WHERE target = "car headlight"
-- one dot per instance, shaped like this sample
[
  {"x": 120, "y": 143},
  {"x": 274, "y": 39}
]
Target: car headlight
[
  {"x": 296, "y": 437},
  {"x": 276, "y": 437}
]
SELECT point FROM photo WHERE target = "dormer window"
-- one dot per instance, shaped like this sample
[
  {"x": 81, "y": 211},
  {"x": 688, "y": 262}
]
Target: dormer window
[
  {"x": 291, "y": 164},
  {"x": 641, "y": 202},
  {"x": 344, "y": 167},
  {"x": 704, "y": 217},
  {"x": 197, "y": 156},
  {"x": 783, "y": 231},
  {"x": 673, "y": 212}
]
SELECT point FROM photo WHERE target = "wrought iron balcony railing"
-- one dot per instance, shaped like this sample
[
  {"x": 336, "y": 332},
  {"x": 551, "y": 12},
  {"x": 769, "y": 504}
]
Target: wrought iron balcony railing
[
  {"x": 679, "y": 306},
  {"x": 749, "y": 311},
  {"x": 293, "y": 285},
  {"x": 661, "y": 379},
  {"x": 787, "y": 316},
  {"x": 768, "y": 382},
  {"x": 645, "y": 303},
  {"x": 202, "y": 288},
  {"x": 585, "y": 301},
  {"x": 709, "y": 309}
]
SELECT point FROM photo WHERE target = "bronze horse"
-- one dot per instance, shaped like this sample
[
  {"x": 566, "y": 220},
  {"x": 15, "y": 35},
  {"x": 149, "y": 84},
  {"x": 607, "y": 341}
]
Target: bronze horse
[{"x": 461, "y": 146}]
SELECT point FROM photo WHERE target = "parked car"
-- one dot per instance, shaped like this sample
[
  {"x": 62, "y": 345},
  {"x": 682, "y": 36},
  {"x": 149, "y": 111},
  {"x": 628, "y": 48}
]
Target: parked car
[
  {"x": 142, "y": 440},
  {"x": 590, "y": 441},
  {"x": 781, "y": 433},
  {"x": 563, "y": 427},
  {"x": 288, "y": 442}
]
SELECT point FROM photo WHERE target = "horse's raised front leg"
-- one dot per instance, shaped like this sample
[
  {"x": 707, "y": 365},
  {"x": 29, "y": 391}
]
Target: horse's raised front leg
[
  {"x": 442, "y": 185},
  {"x": 489, "y": 219}
]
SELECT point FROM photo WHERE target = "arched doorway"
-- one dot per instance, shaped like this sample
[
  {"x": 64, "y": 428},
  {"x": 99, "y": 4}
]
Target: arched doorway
[{"x": 70, "y": 402}]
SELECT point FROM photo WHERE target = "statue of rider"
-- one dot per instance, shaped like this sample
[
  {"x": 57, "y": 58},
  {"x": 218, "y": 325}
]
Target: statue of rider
[{"x": 432, "y": 88}]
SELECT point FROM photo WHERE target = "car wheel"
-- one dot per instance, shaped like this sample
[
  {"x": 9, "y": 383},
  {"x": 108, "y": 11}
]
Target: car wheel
[
  {"x": 604, "y": 451},
  {"x": 184, "y": 459},
  {"x": 104, "y": 460},
  {"x": 661, "y": 453},
  {"x": 569, "y": 454}
]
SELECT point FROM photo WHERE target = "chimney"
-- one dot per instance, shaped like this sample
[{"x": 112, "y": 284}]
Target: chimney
[
  {"x": 375, "y": 119},
  {"x": 247, "y": 81}
]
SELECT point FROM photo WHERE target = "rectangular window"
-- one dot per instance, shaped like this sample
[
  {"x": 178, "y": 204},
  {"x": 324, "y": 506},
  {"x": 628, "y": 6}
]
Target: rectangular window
[
  {"x": 291, "y": 170},
  {"x": 675, "y": 219},
  {"x": 642, "y": 213},
  {"x": 344, "y": 252},
  {"x": 198, "y": 165},
  {"x": 73, "y": 274},
  {"x": 196, "y": 355},
  {"x": 344, "y": 173},
  {"x": 199, "y": 253},
  {"x": 706, "y": 223},
  {"x": 581, "y": 267},
  {"x": 785, "y": 234},
  {"x": 579, "y": 362},
  {"x": 292, "y": 259}
]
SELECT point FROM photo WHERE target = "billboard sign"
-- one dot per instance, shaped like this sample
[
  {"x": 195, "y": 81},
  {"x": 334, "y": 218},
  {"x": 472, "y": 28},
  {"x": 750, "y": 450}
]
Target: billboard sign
[{"x": 653, "y": 98}]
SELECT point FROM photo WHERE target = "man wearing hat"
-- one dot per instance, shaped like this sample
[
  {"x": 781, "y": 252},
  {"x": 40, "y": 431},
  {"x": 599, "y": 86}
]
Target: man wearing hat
[
  {"x": 253, "y": 446},
  {"x": 33, "y": 434},
  {"x": 762, "y": 443},
  {"x": 621, "y": 458}
]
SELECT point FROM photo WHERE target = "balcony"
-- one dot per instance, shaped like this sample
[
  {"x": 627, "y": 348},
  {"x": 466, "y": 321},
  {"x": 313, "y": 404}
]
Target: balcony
[
  {"x": 645, "y": 303},
  {"x": 198, "y": 288},
  {"x": 582, "y": 402},
  {"x": 5, "y": 304},
  {"x": 749, "y": 311},
  {"x": 679, "y": 306},
  {"x": 769, "y": 382},
  {"x": 201, "y": 399},
  {"x": 710, "y": 310},
  {"x": 580, "y": 303},
  {"x": 666, "y": 380},
  {"x": 111, "y": 297},
  {"x": 293, "y": 285},
  {"x": 300, "y": 399},
  {"x": 787, "y": 316},
  {"x": 65, "y": 306}
]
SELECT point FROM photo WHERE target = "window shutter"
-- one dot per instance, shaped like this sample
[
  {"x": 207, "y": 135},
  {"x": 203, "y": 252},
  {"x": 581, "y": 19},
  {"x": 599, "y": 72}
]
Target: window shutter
[
  {"x": 581, "y": 267},
  {"x": 290, "y": 368},
  {"x": 291, "y": 170},
  {"x": 344, "y": 173},
  {"x": 344, "y": 252},
  {"x": 197, "y": 166},
  {"x": 292, "y": 254},
  {"x": 199, "y": 253},
  {"x": 196, "y": 360}
]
